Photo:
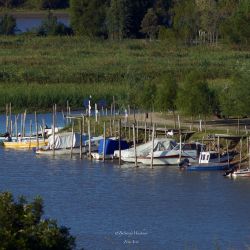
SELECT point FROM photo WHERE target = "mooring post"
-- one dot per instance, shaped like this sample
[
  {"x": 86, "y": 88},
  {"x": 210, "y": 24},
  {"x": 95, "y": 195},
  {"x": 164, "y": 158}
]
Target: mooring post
[
  {"x": 36, "y": 123},
  {"x": 89, "y": 132},
  {"x": 152, "y": 152},
  {"x": 145, "y": 132},
  {"x": 30, "y": 134},
  {"x": 104, "y": 140},
  {"x": 53, "y": 129},
  {"x": 134, "y": 142},
  {"x": 72, "y": 139},
  {"x": 119, "y": 129},
  {"x": 16, "y": 126},
  {"x": 81, "y": 121}
]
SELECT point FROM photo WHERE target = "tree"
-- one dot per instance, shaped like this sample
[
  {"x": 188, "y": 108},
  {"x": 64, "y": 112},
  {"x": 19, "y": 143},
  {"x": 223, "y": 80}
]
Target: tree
[
  {"x": 236, "y": 28},
  {"x": 235, "y": 97},
  {"x": 185, "y": 21},
  {"x": 195, "y": 97},
  {"x": 22, "y": 226},
  {"x": 148, "y": 95},
  {"x": 209, "y": 17},
  {"x": 118, "y": 19},
  {"x": 7, "y": 25},
  {"x": 149, "y": 24},
  {"x": 50, "y": 26},
  {"x": 88, "y": 17},
  {"x": 167, "y": 94}
]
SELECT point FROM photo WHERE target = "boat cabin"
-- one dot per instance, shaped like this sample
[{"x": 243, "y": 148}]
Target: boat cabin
[{"x": 206, "y": 157}]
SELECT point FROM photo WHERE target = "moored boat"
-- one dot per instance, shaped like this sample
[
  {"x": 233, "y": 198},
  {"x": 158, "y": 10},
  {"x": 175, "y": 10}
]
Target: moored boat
[
  {"x": 208, "y": 161},
  {"x": 107, "y": 151},
  {"x": 173, "y": 156},
  {"x": 25, "y": 144},
  {"x": 68, "y": 143},
  {"x": 160, "y": 144}
]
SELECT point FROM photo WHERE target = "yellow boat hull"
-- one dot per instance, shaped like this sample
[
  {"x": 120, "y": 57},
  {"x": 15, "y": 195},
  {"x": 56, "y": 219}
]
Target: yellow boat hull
[{"x": 24, "y": 144}]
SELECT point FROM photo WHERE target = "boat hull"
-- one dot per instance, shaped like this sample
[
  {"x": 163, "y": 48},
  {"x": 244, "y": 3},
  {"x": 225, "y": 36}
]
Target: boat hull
[
  {"x": 64, "y": 151},
  {"x": 24, "y": 144},
  {"x": 241, "y": 173},
  {"x": 161, "y": 161},
  {"x": 209, "y": 167}
]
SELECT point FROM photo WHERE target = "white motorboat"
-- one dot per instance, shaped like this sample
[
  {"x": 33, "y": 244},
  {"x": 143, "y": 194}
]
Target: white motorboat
[
  {"x": 160, "y": 144},
  {"x": 173, "y": 156}
]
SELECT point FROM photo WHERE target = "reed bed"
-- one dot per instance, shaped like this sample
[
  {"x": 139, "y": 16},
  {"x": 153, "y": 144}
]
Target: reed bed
[{"x": 37, "y": 71}]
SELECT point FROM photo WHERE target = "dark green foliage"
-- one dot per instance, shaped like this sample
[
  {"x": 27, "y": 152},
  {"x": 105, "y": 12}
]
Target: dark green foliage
[
  {"x": 149, "y": 24},
  {"x": 88, "y": 17},
  {"x": 118, "y": 19},
  {"x": 50, "y": 26},
  {"x": 235, "y": 97},
  {"x": 185, "y": 20},
  {"x": 22, "y": 226},
  {"x": 195, "y": 97},
  {"x": 148, "y": 95},
  {"x": 236, "y": 28},
  {"x": 7, "y": 25},
  {"x": 166, "y": 93}
]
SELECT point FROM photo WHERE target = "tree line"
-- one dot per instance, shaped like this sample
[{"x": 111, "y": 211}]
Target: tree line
[
  {"x": 188, "y": 21},
  {"x": 195, "y": 96}
]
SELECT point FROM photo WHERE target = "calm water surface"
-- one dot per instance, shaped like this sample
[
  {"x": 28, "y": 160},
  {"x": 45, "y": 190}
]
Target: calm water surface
[
  {"x": 108, "y": 207},
  {"x": 26, "y": 23}
]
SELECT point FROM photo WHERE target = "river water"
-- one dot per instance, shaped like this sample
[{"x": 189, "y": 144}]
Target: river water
[
  {"x": 24, "y": 24},
  {"x": 112, "y": 207}
]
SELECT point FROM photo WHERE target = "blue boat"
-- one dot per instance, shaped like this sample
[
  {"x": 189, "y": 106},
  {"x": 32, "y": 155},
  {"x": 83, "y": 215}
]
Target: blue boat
[
  {"x": 110, "y": 146},
  {"x": 209, "y": 166},
  {"x": 208, "y": 162}
]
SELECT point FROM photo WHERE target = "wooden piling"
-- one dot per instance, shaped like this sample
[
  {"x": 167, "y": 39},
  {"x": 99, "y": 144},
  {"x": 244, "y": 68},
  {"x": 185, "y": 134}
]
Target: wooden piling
[
  {"x": 72, "y": 139},
  {"x": 30, "y": 134},
  {"x": 137, "y": 131},
  {"x": 119, "y": 131},
  {"x": 104, "y": 140},
  {"x": 152, "y": 152},
  {"x": 16, "y": 126},
  {"x": 145, "y": 132},
  {"x": 10, "y": 120},
  {"x": 36, "y": 123},
  {"x": 53, "y": 129},
  {"x": 134, "y": 145},
  {"x": 89, "y": 133},
  {"x": 7, "y": 118},
  {"x": 81, "y": 138}
]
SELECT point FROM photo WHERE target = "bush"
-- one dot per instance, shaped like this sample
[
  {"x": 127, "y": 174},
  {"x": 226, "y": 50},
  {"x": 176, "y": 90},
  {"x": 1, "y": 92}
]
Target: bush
[
  {"x": 22, "y": 226},
  {"x": 7, "y": 25}
]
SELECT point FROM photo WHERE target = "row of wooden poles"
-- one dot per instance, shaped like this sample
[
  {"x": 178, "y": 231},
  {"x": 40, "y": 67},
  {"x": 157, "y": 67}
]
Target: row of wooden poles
[
  {"x": 9, "y": 124},
  {"x": 82, "y": 119}
]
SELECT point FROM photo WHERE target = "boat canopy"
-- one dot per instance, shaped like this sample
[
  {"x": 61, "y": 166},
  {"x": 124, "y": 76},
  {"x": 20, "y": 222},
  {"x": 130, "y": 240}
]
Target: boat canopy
[
  {"x": 111, "y": 145},
  {"x": 160, "y": 144},
  {"x": 66, "y": 140}
]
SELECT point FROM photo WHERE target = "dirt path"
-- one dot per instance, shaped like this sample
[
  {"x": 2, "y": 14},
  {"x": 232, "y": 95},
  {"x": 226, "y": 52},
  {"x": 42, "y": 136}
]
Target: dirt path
[{"x": 224, "y": 125}]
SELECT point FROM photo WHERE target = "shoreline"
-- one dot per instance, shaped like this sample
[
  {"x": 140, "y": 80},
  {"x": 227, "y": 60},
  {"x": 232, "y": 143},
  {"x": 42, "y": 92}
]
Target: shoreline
[{"x": 22, "y": 13}]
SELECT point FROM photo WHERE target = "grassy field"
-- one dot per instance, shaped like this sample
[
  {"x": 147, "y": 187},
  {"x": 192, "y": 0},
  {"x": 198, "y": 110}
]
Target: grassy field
[{"x": 37, "y": 71}]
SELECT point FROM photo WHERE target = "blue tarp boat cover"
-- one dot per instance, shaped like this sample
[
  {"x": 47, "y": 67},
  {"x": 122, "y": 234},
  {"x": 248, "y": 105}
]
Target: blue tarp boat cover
[{"x": 111, "y": 145}]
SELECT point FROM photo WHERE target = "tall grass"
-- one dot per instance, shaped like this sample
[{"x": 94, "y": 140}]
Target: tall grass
[{"x": 37, "y": 71}]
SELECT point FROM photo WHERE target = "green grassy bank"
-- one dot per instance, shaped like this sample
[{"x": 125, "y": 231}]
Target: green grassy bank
[{"x": 37, "y": 71}]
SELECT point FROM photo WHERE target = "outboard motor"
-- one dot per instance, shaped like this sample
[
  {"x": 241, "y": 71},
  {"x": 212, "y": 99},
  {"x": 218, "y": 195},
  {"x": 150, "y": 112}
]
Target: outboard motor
[
  {"x": 184, "y": 163},
  {"x": 229, "y": 171}
]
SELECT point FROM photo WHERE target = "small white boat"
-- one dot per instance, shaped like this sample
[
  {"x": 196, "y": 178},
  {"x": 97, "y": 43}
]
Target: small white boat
[{"x": 241, "y": 173}]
